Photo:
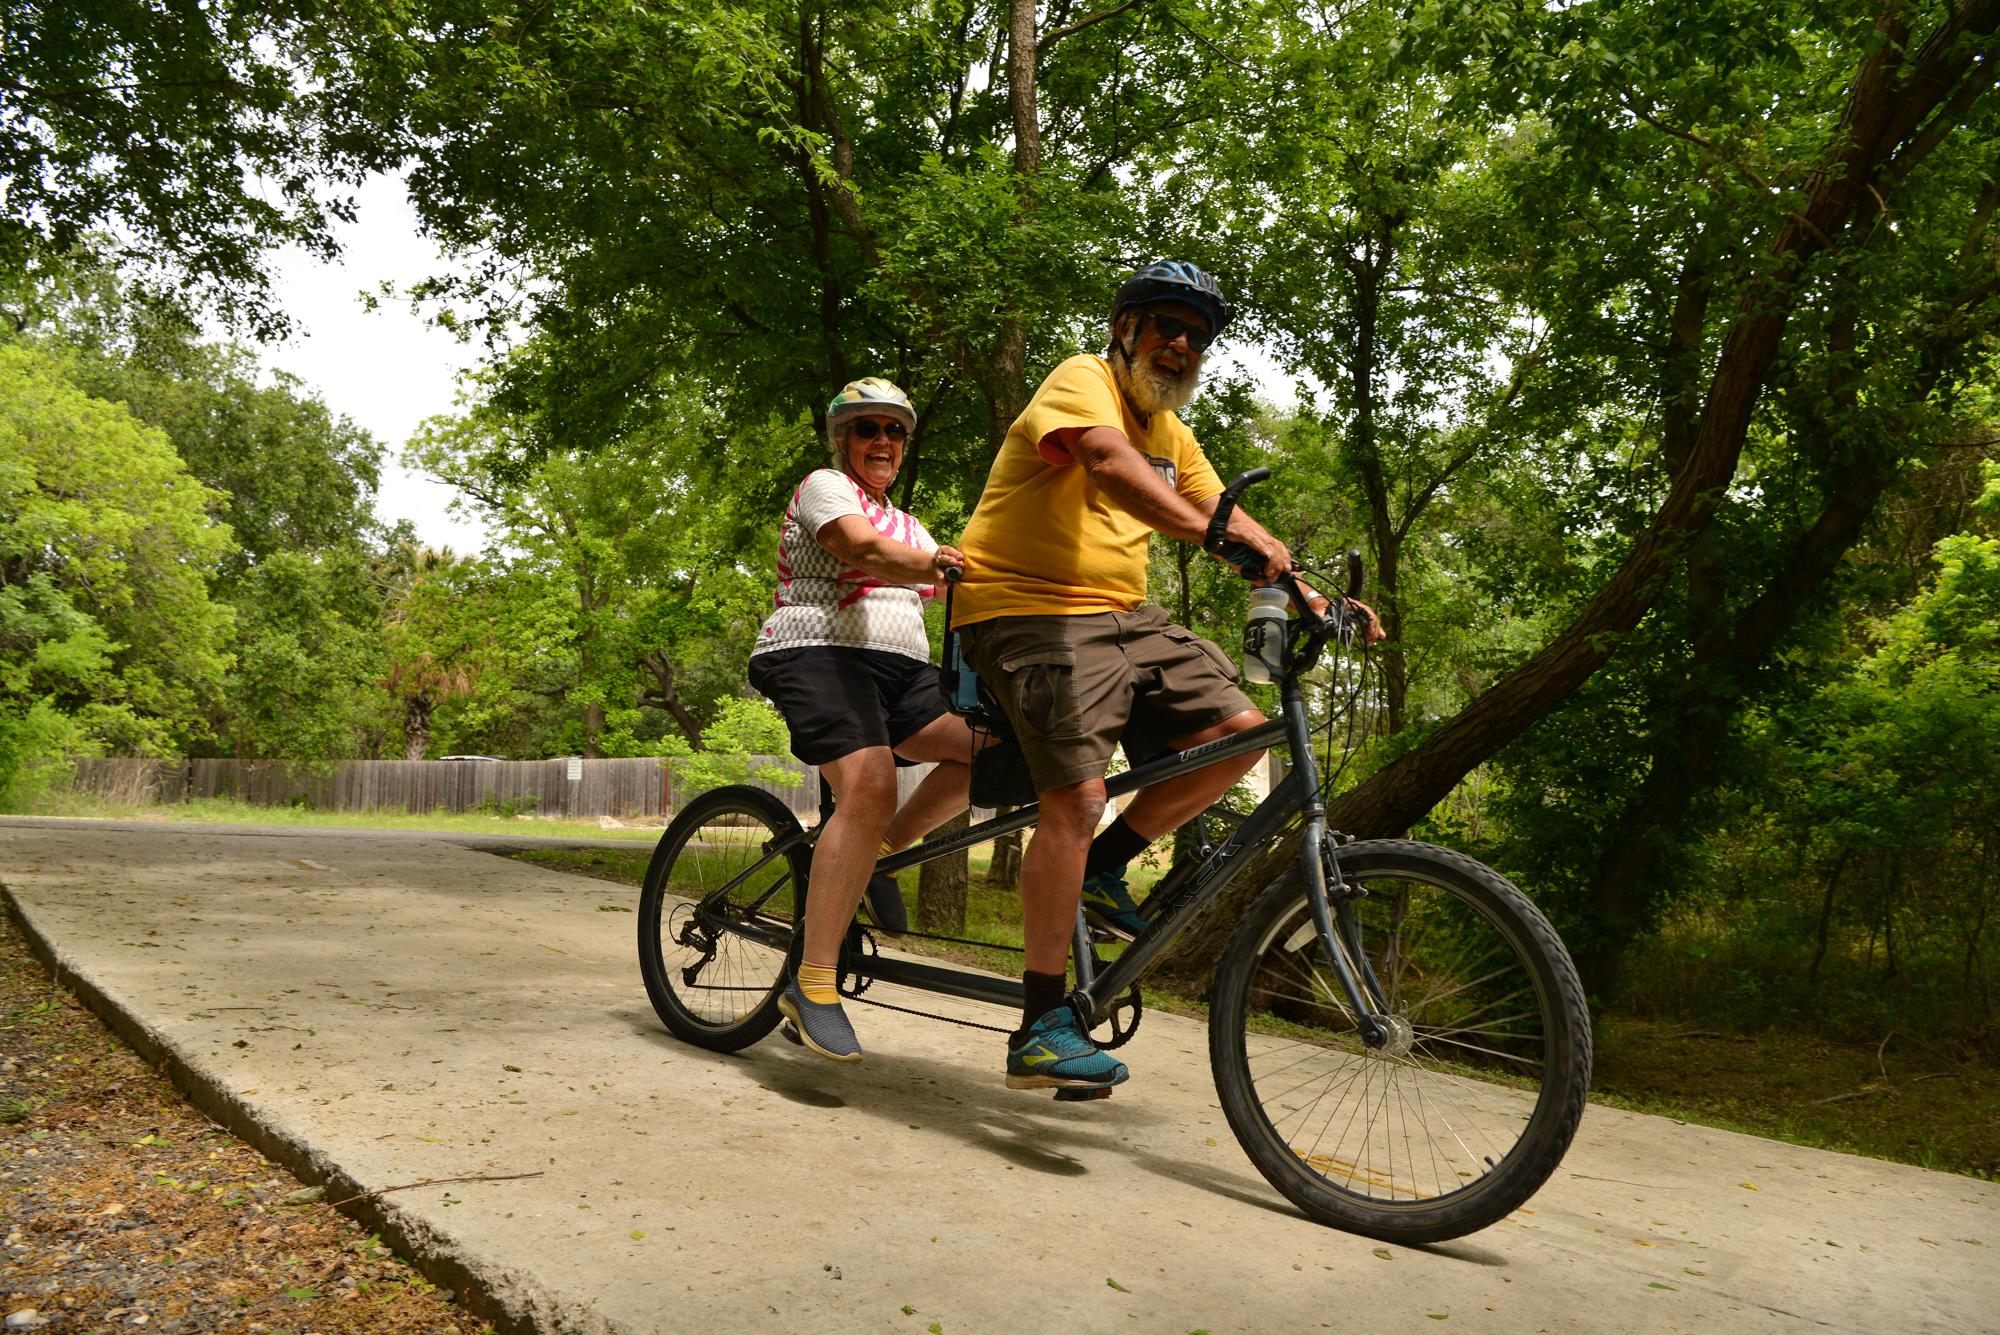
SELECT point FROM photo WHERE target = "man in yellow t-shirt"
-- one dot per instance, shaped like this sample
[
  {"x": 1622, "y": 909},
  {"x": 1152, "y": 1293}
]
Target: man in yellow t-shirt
[{"x": 1052, "y": 615}]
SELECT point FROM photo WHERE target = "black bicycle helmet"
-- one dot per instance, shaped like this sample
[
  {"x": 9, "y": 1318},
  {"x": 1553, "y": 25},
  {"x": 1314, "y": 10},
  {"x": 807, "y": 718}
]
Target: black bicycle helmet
[{"x": 1175, "y": 280}]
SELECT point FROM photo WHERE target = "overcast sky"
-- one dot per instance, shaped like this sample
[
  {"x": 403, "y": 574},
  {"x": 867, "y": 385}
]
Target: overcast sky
[{"x": 387, "y": 369}]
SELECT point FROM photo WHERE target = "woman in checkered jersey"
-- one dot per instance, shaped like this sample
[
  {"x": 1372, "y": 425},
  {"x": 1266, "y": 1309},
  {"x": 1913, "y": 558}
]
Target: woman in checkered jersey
[{"x": 845, "y": 658}]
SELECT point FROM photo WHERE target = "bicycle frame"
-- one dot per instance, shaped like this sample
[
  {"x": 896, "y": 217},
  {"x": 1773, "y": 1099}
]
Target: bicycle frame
[{"x": 1175, "y": 907}]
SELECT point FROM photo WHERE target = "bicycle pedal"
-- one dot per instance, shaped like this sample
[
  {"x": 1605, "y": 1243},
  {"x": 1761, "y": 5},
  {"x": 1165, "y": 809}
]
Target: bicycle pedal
[
  {"x": 790, "y": 1033},
  {"x": 1082, "y": 1095}
]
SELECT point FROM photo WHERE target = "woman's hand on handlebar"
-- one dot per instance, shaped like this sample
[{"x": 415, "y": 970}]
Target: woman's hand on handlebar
[{"x": 947, "y": 558}]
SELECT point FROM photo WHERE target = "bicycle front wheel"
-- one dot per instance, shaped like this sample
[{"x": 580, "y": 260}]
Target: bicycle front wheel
[
  {"x": 1467, "y": 1107},
  {"x": 716, "y": 917}
]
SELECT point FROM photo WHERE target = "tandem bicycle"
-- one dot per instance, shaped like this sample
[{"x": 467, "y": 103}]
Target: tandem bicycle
[{"x": 1397, "y": 1035}]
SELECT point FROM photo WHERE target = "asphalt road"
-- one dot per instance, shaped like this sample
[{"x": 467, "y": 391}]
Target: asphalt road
[{"x": 381, "y": 1009}]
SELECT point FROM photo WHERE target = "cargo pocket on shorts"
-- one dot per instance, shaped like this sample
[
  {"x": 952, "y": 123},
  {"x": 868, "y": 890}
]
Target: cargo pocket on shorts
[
  {"x": 1207, "y": 648},
  {"x": 1043, "y": 686}
]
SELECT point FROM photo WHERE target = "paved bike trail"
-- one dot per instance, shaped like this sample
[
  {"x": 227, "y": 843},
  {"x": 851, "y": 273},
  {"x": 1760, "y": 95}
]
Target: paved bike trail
[{"x": 383, "y": 1009}]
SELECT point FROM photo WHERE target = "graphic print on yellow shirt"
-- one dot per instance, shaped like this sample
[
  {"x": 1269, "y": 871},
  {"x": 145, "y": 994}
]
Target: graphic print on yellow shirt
[{"x": 1043, "y": 540}]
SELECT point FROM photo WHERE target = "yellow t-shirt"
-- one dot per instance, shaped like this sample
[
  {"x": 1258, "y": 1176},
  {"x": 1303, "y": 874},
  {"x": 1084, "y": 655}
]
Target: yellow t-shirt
[{"x": 1043, "y": 541}]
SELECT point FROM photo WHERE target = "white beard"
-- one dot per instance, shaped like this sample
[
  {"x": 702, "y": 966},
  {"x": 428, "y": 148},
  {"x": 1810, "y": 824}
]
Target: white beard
[{"x": 1151, "y": 390}]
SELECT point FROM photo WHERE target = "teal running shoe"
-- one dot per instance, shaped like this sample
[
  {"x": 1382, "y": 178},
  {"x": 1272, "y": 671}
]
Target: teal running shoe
[
  {"x": 823, "y": 1028},
  {"x": 1108, "y": 904},
  {"x": 1055, "y": 1053}
]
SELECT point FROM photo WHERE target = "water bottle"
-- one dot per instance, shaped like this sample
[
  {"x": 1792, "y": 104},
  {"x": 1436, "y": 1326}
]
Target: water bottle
[{"x": 1264, "y": 635}]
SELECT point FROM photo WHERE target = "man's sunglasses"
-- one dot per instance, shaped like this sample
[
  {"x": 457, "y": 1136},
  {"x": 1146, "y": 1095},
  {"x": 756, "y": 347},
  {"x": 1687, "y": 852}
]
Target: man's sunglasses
[
  {"x": 1172, "y": 327},
  {"x": 868, "y": 428}
]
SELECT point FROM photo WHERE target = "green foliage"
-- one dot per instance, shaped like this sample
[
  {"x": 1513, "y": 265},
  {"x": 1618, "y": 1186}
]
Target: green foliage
[
  {"x": 632, "y": 585},
  {"x": 296, "y": 477},
  {"x": 198, "y": 134},
  {"x": 506, "y": 808},
  {"x": 105, "y": 553},
  {"x": 310, "y": 652},
  {"x": 744, "y": 729}
]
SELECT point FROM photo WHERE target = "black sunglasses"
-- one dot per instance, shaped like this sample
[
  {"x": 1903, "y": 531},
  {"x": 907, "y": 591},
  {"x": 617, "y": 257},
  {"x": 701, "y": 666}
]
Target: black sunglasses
[
  {"x": 1172, "y": 327},
  {"x": 868, "y": 428}
]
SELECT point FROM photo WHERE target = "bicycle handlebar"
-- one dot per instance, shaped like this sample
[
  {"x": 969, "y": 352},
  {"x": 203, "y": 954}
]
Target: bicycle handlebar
[{"x": 1247, "y": 560}]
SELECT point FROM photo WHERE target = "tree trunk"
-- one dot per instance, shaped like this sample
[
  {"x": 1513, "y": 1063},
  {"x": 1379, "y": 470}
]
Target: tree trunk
[
  {"x": 1370, "y": 270},
  {"x": 1004, "y": 872},
  {"x": 941, "y": 886},
  {"x": 1728, "y": 655},
  {"x": 1825, "y": 925},
  {"x": 416, "y": 726},
  {"x": 1008, "y": 388}
]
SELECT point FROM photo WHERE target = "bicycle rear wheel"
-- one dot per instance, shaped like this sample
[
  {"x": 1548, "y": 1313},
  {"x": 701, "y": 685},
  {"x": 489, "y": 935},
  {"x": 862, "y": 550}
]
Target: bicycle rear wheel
[
  {"x": 1466, "y": 1110},
  {"x": 716, "y": 917}
]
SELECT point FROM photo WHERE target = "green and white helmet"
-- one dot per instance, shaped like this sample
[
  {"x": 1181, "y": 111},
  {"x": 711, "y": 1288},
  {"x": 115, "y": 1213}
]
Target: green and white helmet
[{"x": 872, "y": 396}]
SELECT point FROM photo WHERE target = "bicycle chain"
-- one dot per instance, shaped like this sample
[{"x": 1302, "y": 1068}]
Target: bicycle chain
[
  {"x": 932, "y": 1015},
  {"x": 852, "y": 985}
]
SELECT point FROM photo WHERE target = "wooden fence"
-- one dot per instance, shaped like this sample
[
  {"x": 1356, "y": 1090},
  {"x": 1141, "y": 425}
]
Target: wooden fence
[
  {"x": 625, "y": 788},
  {"x": 641, "y": 788}
]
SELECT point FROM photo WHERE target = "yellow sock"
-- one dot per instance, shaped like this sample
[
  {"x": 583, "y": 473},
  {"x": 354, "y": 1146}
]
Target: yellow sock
[
  {"x": 820, "y": 983},
  {"x": 885, "y": 850}
]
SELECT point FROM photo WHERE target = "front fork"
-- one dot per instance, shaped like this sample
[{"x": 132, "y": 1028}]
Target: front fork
[{"x": 1357, "y": 981}]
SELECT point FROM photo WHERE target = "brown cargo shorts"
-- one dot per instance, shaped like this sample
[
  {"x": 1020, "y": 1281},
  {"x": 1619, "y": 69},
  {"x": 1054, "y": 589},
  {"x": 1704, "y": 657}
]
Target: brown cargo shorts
[{"x": 1074, "y": 686}]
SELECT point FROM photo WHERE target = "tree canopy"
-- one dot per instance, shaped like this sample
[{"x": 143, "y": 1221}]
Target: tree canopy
[{"x": 1647, "y": 348}]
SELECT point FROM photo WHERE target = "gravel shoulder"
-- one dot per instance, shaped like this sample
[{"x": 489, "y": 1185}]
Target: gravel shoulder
[{"x": 122, "y": 1207}]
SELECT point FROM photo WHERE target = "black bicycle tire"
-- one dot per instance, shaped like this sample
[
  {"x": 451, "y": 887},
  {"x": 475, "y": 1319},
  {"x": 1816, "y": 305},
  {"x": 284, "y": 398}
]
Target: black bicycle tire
[
  {"x": 1559, "y": 1105},
  {"x": 681, "y": 1019}
]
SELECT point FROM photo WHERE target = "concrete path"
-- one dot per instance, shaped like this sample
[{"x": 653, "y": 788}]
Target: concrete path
[{"x": 381, "y": 1010}]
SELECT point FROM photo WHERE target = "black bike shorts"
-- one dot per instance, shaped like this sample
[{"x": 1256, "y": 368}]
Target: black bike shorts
[{"x": 839, "y": 701}]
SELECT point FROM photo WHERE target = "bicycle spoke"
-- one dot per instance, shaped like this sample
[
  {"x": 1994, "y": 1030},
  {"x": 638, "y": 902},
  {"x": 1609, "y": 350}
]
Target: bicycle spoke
[{"x": 1442, "y": 1100}]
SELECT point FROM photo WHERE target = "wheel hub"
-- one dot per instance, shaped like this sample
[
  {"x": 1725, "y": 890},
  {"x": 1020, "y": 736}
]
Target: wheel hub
[{"x": 1400, "y": 1035}]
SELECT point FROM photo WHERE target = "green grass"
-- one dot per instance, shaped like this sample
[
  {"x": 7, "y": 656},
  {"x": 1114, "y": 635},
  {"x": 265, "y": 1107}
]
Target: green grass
[
  {"x": 224, "y": 811},
  {"x": 1922, "y": 1104}
]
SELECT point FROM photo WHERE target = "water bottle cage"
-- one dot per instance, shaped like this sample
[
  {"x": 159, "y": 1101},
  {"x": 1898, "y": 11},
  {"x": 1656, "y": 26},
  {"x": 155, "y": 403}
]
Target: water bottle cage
[{"x": 1257, "y": 637}]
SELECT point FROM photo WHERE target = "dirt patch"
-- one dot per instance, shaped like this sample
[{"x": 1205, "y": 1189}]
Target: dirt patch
[{"x": 123, "y": 1207}]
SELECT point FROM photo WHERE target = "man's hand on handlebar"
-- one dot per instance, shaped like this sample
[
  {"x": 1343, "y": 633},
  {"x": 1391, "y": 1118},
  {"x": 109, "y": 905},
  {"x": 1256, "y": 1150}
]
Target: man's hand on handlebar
[{"x": 1247, "y": 532}]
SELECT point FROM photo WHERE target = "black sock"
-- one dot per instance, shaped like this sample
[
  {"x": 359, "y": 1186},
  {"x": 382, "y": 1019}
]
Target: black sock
[
  {"x": 1115, "y": 846},
  {"x": 1041, "y": 993}
]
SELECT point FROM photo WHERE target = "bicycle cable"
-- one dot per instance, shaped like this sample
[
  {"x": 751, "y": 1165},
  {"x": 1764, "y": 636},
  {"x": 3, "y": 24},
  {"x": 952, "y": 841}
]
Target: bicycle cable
[{"x": 1346, "y": 652}]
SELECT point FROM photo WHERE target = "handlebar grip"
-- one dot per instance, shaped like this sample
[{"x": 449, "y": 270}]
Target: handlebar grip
[
  {"x": 953, "y": 574},
  {"x": 1247, "y": 560},
  {"x": 1356, "y": 575},
  {"x": 1218, "y": 523}
]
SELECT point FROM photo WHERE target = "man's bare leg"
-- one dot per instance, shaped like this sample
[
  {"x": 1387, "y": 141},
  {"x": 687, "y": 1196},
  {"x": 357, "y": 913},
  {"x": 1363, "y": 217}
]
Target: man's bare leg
[
  {"x": 1052, "y": 871},
  {"x": 1166, "y": 806}
]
